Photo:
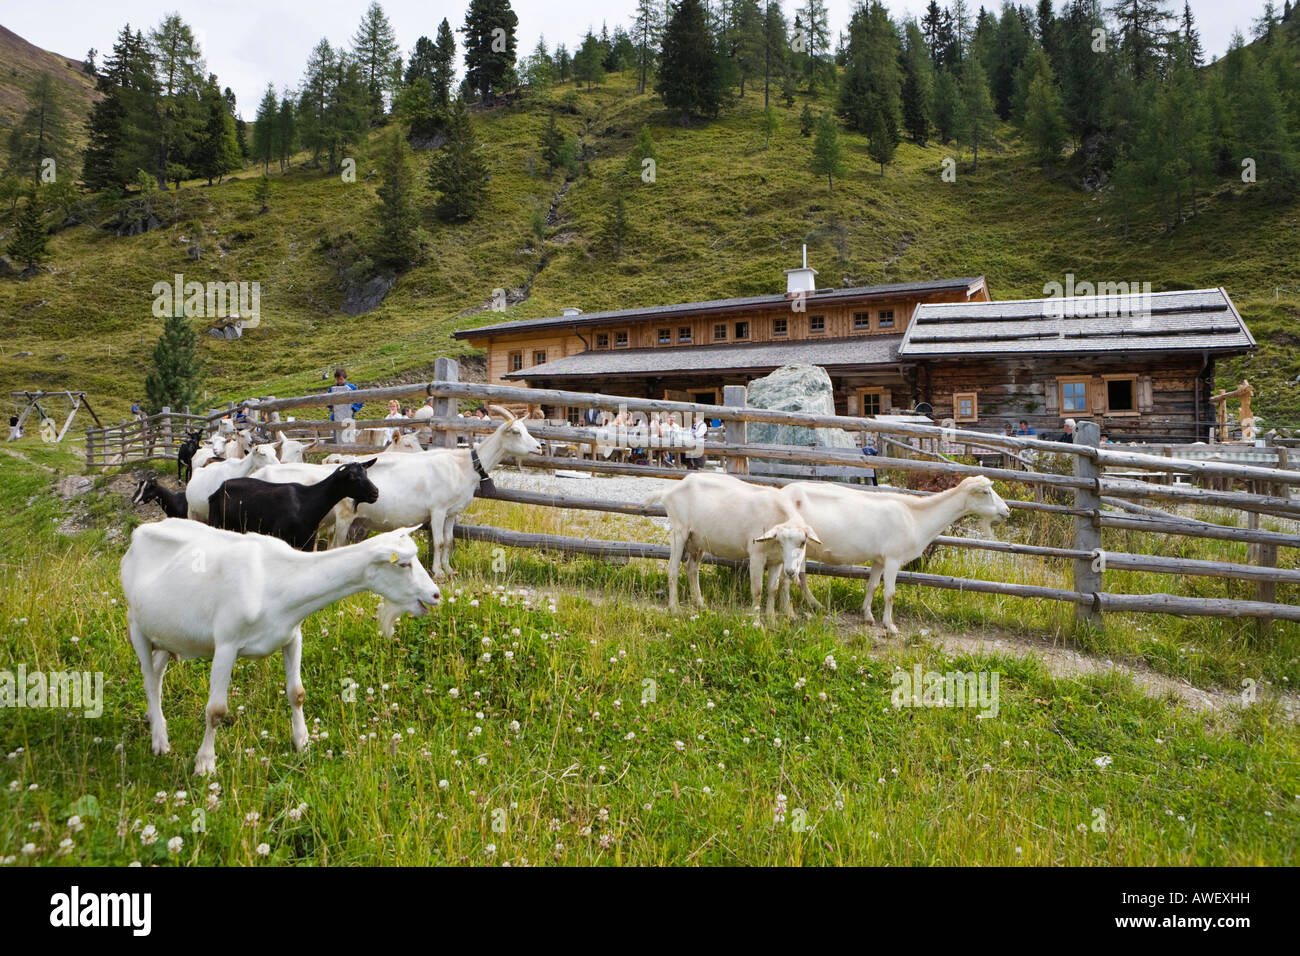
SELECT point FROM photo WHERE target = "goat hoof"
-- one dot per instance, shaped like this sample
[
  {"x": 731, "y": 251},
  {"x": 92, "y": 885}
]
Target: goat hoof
[
  {"x": 204, "y": 764},
  {"x": 161, "y": 747}
]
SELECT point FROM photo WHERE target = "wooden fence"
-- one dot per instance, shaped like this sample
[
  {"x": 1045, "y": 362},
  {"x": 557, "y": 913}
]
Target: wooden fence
[
  {"x": 1103, "y": 489},
  {"x": 142, "y": 439}
]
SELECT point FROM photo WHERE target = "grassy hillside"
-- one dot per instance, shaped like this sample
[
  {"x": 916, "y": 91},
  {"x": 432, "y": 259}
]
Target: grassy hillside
[
  {"x": 724, "y": 217},
  {"x": 22, "y": 62}
]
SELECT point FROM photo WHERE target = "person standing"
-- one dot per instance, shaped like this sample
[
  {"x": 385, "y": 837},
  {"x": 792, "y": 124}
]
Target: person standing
[{"x": 340, "y": 383}]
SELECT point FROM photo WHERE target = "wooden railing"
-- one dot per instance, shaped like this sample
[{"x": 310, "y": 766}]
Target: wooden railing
[
  {"x": 141, "y": 439},
  {"x": 1095, "y": 501}
]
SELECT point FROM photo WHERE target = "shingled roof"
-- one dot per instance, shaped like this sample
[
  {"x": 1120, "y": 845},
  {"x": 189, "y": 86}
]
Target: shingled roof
[
  {"x": 865, "y": 351},
  {"x": 814, "y": 300},
  {"x": 1199, "y": 320}
]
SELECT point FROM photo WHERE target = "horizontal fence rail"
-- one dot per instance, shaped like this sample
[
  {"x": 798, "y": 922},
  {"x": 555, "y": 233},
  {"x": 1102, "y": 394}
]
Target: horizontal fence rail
[{"x": 1069, "y": 480}]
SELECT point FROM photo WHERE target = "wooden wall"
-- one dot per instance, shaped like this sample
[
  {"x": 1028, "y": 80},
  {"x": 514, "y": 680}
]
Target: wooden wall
[{"x": 1010, "y": 389}]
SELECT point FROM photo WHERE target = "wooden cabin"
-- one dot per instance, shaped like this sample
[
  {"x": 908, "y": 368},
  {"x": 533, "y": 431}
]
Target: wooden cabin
[{"x": 1146, "y": 373}]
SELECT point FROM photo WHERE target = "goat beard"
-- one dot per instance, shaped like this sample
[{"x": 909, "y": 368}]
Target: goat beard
[{"x": 388, "y": 615}]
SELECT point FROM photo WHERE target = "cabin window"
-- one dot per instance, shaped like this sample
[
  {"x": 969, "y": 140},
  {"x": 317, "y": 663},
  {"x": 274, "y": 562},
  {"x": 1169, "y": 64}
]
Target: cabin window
[
  {"x": 816, "y": 323},
  {"x": 1074, "y": 395},
  {"x": 720, "y": 333},
  {"x": 861, "y": 321},
  {"x": 602, "y": 340},
  {"x": 780, "y": 327},
  {"x": 886, "y": 320},
  {"x": 665, "y": 336},
  {"x": 573, "y": 414},
  {"x": 742, "y": 330},
  {"x": 620, "y": 340},
  {"x": 872, "y": 401},
  {"x": 684, "y": 334},
  {"x": 516, "y": 361},
  {"x": 1121, "y": 395},
  {"x": 705, "y": 398},
  {"x": 965, "y": 407},
  {"x": 539, "y": 357}
]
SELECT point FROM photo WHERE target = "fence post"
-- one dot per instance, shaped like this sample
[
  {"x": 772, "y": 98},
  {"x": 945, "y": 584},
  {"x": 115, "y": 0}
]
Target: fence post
[
  {"x": 1087, "y": 528},
  {"x": 735, "y": 396},
  {"x": 90, "y": 447},
  {"x": 445, "y": 370},
  {"x": 167, "y": 431}
]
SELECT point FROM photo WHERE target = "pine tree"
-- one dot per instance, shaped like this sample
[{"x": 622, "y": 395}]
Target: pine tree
[
  {"x": 1084, "y": 77},
  {"x": 264, "y": 129},
  {"x": 217, "y": 152},
  {"x": 828, "y": 152},
  {"x": 642, "y": 149},
  {"x": 174, "y": 380},
  {"x": 947, "y": 106},
  {"x": 374, "y": 46},
  {"x": 489, "y": 31},
  {"x": 397, "y": 244},
  {"x": 776, "y": 50},
  {"x": 977, "y": 117},
  {"x": 458, "y": 174},
  {"x": 419, "y": 65},
  {"x": 690, "y": 77},
  {"x": 444, "y": 66},
  {"x": 1191, "y": 37},
  {"x": 807, "y": 122},
  {"x": 313, "y": 99},
  {"x": 769, "y": 124},
  {"x": 121, "y": 121},
  {"x": 647, "y": 30},
  {"x": 869, "y": 97},
  {"x": 42, "y": 133},
  {"x": 1141, "y": 32},
  {"x": 918, "y": 84},
  {"x": 286, "y": 131},
  {"x": 815, "y": 20},
  {"x": 178, "y": 63},
  {"x": 616, "y": 226},
  {"x": 748, "y": 41},
  {"x": 1044, "y": 122},
  {"x": 28, "y": 243},
  {"x": 552, "y": 143},
  {"x": 586, "y": 62}
]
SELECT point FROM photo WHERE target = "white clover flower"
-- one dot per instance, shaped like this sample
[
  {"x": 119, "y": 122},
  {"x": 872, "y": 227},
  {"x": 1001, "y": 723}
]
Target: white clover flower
[
  {"x": 149, "y": 835},
  {"x": 252, "y": 818},
  {"x": 75, "y": 823},
  {"x": 679, "y": 745},
  {"x": 443, "y": 784},
  {"x": 29, "y": 849},
  {"x": 263, "y": 849},
  {"x": 174, "y": 845},
  {"x": 454, "y": 692},
  {"x": 1103, "y": 761}
]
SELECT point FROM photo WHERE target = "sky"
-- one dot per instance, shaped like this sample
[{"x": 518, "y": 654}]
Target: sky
[{"x": 249, "y": 43}]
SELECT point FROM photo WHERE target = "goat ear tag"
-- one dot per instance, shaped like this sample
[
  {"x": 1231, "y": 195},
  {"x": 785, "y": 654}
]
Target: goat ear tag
[{"x": 392, "y": 558}]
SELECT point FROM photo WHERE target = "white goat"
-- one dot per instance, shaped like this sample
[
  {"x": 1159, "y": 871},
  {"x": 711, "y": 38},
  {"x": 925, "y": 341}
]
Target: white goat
[
  {"x": 883, "y": 529},
  {"x": 730, "y": 518},
  {"x": 179, "y": 576},
  {"x": 435, "y": 486},
  {"x": 207, "y": 480},
  {"x": 401, "y": 444},
  {"x": 292, "y": 450}
]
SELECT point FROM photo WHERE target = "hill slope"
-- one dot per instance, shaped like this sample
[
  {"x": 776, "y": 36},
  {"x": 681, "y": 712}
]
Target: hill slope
[
  {"x": 723, "y": 218},
  {"x": 22, "y": 62}
]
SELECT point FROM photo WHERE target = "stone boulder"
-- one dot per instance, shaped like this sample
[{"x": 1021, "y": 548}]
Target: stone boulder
[
  {"x": 796, "y": 388},
  {"x": 362, "y": 298}
]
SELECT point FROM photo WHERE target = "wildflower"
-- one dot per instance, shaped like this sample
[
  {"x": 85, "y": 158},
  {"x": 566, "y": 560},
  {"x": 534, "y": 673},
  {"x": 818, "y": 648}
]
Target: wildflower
[
  {"x": 263, "y": 849},
  {"x": 1103, "y": 761},
  {"x": 75, "y": 823},
  {"x": 174, "y": 845},
  {"x": 252, "y": 818},
  {"x": 149, "y": 835}
]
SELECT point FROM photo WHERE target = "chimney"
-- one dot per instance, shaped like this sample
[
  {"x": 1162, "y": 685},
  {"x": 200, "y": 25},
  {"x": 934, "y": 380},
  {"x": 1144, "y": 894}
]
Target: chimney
[{"x": 802, "y": 279}]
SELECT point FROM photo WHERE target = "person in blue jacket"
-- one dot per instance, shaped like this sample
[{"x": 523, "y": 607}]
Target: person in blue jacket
[{"x": 341, "y": 381}]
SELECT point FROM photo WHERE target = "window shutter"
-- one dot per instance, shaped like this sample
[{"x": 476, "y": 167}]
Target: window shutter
[
  {"x": 1052, "y": 397},
  {"x": 1097, "y": 388},
  {"x": 851, "y": 401},
  {"x": 886, "y": 401},
  {"x": 1146, "y": 394}
]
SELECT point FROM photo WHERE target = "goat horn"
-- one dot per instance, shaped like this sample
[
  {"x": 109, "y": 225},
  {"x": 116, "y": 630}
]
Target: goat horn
[{"x": 503, "y": 412}]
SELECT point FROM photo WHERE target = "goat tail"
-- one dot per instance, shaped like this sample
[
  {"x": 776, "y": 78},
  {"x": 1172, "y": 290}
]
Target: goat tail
[{"x": 656, "y": 497}]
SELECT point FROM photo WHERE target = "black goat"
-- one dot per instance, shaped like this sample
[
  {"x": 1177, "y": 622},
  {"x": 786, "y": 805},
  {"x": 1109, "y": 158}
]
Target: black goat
[
  {"x": 185, "y": 455},
  {"x": 173, "y": 502},
  {"x": 287, "y": 510}
]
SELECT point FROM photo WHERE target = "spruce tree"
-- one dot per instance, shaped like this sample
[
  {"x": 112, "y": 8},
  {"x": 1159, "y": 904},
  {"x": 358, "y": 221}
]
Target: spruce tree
[
  {"x": 374, "y": 46},
  {"x": 1044, "y": 122},
  {"x": 918, "y": 85},
  {"x": 977, "y": 117},
  {"x": 616, "y": 226},
  {"x": 178, "y": 62},
  {"x": 397, "y": 243},
  {"x": 828, "y": 151},
  {"x": 776, "y": 49},
  {"x": 444, "y": 66},
  {"x": 124, "y": 115},
  {"x": 642, "y": 149},
  {"x": 552, "y": 143},
  {"x": 28, "y": 243},
  {"x": 264, "y": 129},
  {"x": 947, "y": 106},
  {"x": 174, "y": 380},
  {"x": 42, "y": 133},
  {"x": 489, "y": 31},
  {"x": 869, "y": 97},
  {"x": 217, "y": 151},
  {"x": 458, "y": 176},
  {"x": 646, "y": 31},
  {"x": 690, "y": 77}
]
